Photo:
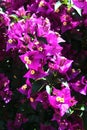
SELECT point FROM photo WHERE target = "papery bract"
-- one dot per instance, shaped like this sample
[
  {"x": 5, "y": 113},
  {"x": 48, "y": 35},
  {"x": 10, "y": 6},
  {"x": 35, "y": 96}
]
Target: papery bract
[{"x": 62, "y": 100}]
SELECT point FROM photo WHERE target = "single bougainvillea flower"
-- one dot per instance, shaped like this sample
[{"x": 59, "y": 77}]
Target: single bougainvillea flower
[
  {"x": 60, "y": 64},
  {"x": 24, "y": 89},
  {"x": 32, "y": 59},
  {"x": 33, "y": 74},
  {"x": 62, "y": 100}
]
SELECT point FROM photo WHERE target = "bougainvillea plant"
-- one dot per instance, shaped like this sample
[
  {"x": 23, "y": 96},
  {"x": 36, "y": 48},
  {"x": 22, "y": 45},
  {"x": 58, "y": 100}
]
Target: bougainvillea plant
[{"x": 43, "y": 65}]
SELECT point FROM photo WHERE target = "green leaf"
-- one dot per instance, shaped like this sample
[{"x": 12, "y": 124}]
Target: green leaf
[
  {"x": 42, "y": 39},
  {"x": 64, "y": 2},
  {"x": 14, "y": 17},
  {"x": 25, "y": 17},
  {"x": 85, "y": 120},
  {"x": 38, "y": 85}
]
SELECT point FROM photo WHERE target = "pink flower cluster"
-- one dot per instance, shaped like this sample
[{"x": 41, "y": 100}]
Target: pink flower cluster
[{"x": 43, "y": 55}]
